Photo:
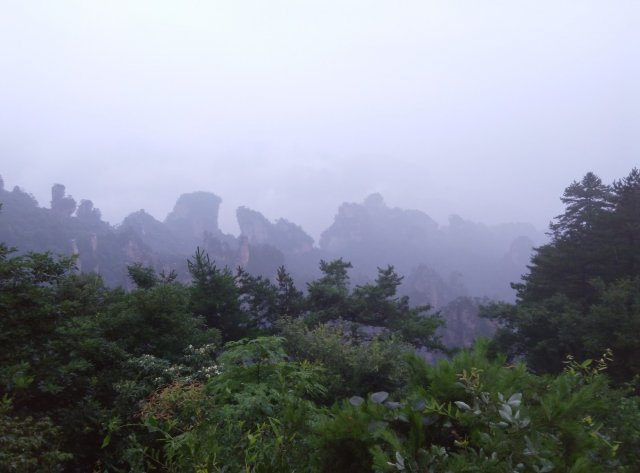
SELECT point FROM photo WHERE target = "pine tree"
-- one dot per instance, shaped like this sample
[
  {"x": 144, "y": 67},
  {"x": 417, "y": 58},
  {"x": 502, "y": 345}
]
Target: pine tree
[
  {"x": 578, "y": 252},
  {"x": 215, "y": 296},
  {"x": 625, "y": 224}
]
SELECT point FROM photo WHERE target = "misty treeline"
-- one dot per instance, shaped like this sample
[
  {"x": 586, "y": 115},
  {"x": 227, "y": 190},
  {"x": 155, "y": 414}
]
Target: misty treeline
[
  {"x": 235, "y": 372},
  {"x": 448, "y": 267},
  {"x": 439, "y": 262}
]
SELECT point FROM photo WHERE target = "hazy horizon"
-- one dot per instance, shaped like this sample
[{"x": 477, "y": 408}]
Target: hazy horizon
[{"x": 487, "y": 110}]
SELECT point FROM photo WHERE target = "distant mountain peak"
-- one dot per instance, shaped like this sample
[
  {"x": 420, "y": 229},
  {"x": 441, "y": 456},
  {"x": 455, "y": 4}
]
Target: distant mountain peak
[
  {"x": 283, "y": 235},
  {"x": 375, "y": 201},
  {"x": 195, "y": 213}
]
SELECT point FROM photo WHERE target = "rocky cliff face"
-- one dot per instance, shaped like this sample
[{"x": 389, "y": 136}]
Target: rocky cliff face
[
  {"x": 283, "y": 235},
  {"x": 158, "y": 236},
  {"x": 254, "y": 226},
  {"x": 372, "y": 234},
  {"x": 441, "y": 264},
  {"x": 153, "y": 231},
  {"x": 485, "y": 258},
  {"x": 425, "y": 286},
  {"x": 376, "y": 225},
  {"x": 266, "y": 245},
  {"x": 194, "y": 214},
  {"x": 463, "y": 324}
]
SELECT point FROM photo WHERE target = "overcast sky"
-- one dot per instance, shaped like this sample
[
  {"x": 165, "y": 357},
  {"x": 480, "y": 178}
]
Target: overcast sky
[{"x": 486, "y": 109}]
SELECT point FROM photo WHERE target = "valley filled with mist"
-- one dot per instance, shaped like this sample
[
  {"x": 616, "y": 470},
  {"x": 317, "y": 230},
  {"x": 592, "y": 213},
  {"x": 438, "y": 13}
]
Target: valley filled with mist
[
  {"x": 277, "y": 236},
  {"x": 250, "y": 342},
  {"x": 449, "y": 267}
]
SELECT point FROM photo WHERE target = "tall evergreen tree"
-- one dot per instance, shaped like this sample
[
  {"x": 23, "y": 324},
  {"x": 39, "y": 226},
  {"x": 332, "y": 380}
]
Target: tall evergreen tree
[
  {"x": 625, "y": 224},
  {"x": 328, "y": 296},
  {"x": 590, "y": 266},
  {"x": 258, "y": 300},
  {"x": 290, "y": 301},
  {"x": 586, "y": 202},
  {"x": 215, "y": 296},
  {"x": 578, "y": 252}
]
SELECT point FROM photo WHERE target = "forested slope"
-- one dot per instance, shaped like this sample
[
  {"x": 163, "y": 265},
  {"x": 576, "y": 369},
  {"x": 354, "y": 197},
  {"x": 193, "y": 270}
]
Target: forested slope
[{"x": 237, "y": 372}]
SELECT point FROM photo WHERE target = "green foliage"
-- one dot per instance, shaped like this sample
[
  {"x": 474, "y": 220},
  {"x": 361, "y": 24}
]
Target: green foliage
[
  {"x": 370, "y": 306},
  {"x": 215, "y": 296},
  {"x": 579, "y": 250},
  {"x": 614, "y": 322},
  {"x": 264, "y": 302},
  {"x": 355, "y": 368},
  {"x": 586, "y": 204},
  {"x": 68, "y": 342},
  {"x": 144, "y": 277},
  {"x": 29, "y": 445},
  {"x": 624, "y": 225},
  {"x": 155, "y": 321},
  {"x": 27, "y": 297},
  {"x": 581, "y": 295},
  {"x": 328, "y": 296},
  {"x": 470, "y": 414},
  {"x": 52, "y": 353},
  {"x": 546, "y": 332},
  {"x": 94, "y": 379},
  {"x": 145, "y": 374},
  {"x": 289, "y": 300},
  {"x": 377, "y": 304},
  {"x": 254, "y": 416},
  {"x": 595, "y": 238},
  {"x": 258, "y": 297}
]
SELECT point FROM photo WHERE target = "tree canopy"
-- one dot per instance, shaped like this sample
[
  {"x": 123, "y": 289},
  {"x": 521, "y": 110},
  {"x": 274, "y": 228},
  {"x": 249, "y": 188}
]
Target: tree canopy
[
  {"x": 591, "y": 265},
  {"x": 236, "y": 372}
]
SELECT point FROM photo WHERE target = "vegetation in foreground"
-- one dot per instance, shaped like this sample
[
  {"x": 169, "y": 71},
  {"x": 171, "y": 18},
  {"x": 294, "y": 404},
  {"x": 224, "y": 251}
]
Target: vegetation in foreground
[{"x": 236, "y": 373}]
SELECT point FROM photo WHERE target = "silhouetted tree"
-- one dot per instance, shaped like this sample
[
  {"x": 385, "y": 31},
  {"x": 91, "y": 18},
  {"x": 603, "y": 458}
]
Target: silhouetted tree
[{"x": 581, "y": 294}]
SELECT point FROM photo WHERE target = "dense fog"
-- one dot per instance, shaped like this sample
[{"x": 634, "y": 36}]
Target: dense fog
[
  {"x": 340, "y": 236},
  {"x": 486, "y": 110}
]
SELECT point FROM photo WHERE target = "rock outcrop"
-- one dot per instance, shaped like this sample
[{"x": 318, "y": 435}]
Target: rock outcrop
[
  {"x": 485, "y": 258},
  {"x": 443, "y": 265},
  {"x": 60, "y": 203},
  {"x": 194, "y": 214},
  {"x": 463, "y": 323},
  {"x": 283, "y": 235},
  {"x": 266, "y": 245}
]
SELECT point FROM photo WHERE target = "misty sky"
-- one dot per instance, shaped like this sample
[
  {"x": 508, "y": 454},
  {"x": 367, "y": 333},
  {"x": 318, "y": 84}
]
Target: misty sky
[{"x": 486, "y": 109}]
